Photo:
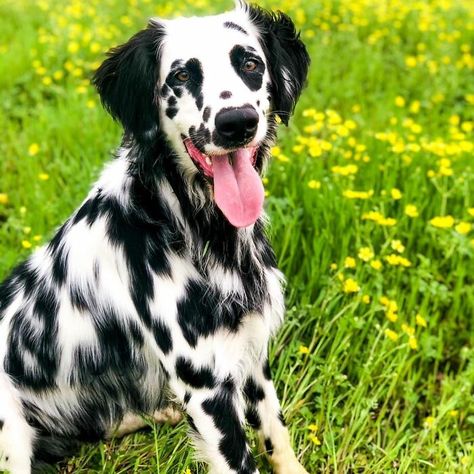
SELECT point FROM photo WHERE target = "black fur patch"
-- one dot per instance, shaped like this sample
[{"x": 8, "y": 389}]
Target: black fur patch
[
  {"x": 233, "y": 26},
  {"x": 253, "y": 79},
  {"x": 233, "y": 442},
  {"x": 267, "y": 373},
  {"x": 196, "y": 378},
  {"x": 196, "y": 77},
  {"x": 1, "y": 424},
  {"x": 253, "y": 392},
  {"x": 225, "y": 95},
  {"x": 200, "y": 137},
  {"x": 206, "y": 114},
  {"x": 253, "y": 418},
  {"x": 162, "y": 336},
  {"x": 268, "y": 446}
]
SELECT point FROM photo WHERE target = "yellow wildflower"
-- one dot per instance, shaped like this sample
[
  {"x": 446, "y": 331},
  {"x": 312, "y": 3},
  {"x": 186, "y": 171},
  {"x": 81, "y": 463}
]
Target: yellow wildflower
[
  {"x": 429, "y": 421},
  {"x": 366, "y": 299},
  {"x": 3, "y": 198},
  {"x": 413, "y": 343},
  {"x": 26, "y": 244},
  {"x": 411, "y": 210},
  {"x": 420, "y": 320},
  {"x": 391, "y": 315},
  {"x": 333, "y": 266},
  {"x": 351, "y": 286},
  {"x": 397, "y": 246},
  {"x": 409, "y": 330},
  {"x": 376, "y": 264},
  {"x": 37, "y": 238},
  {"x": 396, "y": 194},
  {"x": 350, "y": 194},
  {"x": 33, "y": 149},
  {"x": 313, "y": 184},
  {"x": 345, "y": 170},
  {"x": 453, "y": 413},
  {"x": 463, "y": 228},
  {"x": 400, "y": 101},
  {"x": 314, "y": 439},
  {"x": 392, "y": 335},
  {"x": 313, "y": 427},
  {"x": 349, "y": 262},
  {"x": 303, "y": 350},
  {"x": 443, "y": 222},
  {"x": 471, "y": 211},
  {"x": 366, "y": 254},
  {"x": 43, "y": 176}
]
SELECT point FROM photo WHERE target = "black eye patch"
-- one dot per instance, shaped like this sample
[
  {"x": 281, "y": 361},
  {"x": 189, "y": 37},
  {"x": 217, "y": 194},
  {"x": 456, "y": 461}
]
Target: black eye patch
[
  {"x": 238, "y": 57},
  {"x": 193, "y": 84}
]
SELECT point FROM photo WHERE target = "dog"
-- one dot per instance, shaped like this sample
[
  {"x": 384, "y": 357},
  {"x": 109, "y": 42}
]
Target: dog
[{"x": 162, "y": 289}]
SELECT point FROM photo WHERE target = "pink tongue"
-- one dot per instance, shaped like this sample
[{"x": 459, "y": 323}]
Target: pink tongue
[{"x": 238, "y": 189}]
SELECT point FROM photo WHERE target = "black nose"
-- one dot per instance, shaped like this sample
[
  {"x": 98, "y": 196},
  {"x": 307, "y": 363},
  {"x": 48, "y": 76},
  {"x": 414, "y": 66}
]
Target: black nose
[{"x": 236, "y": 125}]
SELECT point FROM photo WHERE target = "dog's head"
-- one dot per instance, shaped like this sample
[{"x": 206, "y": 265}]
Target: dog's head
[{"x": 212, "y": 86}]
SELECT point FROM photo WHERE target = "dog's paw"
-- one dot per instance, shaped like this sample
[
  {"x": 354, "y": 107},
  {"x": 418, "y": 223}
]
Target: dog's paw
[{"x": 170, "y": 414}]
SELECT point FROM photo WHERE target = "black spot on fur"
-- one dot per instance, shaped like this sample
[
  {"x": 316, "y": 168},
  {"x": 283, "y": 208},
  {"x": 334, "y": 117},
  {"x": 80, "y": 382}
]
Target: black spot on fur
[
  {"x": 266, "y": 370},
  {"x": 253, "y": 418},
  {"x": 172, "y": 101},
  {"x": 165, "y": 91},
  {"x": 196, "y": 378},
  {"x": 171, "y": 112},
  {"x": 233, "y": 442},
  {"x": 162, "y": 336},
  {"x": 187, "y": 397},
  {"x": 206, "y": 114},
  {"x": 253, "y": 392},
  {"x": 1, "y": 424},
  {"x": 225, "y": 95},
  {"x": 233, "y": 26},
  {"x": 253, "y": 79},
  {"x": 281, "y": 417},
  {"x": 199, "y": 101},
  {"x": 268, "y": 446},
  {"x": 196, "y": 77}
]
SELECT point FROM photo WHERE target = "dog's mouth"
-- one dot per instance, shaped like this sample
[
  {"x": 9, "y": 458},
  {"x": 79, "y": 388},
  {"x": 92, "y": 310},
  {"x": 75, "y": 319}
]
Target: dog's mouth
[{"x": 238, "y": 189}]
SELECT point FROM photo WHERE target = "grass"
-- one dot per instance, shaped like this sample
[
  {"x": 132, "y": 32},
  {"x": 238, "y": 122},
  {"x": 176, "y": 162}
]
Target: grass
[{"x": 375, "y": 363}]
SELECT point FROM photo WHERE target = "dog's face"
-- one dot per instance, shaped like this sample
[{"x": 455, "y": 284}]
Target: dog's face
[{"x": 212, "y": 87}]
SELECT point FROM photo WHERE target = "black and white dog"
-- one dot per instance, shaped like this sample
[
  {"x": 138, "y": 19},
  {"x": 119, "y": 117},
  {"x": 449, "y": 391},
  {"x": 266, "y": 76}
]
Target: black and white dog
[{"x": 162, "y": 287}]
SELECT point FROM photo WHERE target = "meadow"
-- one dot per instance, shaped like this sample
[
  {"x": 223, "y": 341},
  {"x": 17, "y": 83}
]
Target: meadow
[{"x": 371, "y": 199}]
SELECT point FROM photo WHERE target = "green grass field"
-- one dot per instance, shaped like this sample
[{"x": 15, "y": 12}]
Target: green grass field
[{"x": 371, "y": 198}]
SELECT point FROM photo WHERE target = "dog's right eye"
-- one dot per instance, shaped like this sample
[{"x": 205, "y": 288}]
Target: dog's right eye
[{"x": 182, "y": 76}]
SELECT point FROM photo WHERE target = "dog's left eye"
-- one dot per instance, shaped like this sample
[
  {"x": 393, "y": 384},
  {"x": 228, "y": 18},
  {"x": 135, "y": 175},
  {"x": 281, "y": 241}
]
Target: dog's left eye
[
  {"x": 250, "y": 65},
  {"x": 182, "y": 76}
]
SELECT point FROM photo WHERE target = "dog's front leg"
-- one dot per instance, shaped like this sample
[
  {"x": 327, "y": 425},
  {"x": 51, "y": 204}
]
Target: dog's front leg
[
  {"x": 216, "y": 418},
  {"x": 264, "y": 414}
]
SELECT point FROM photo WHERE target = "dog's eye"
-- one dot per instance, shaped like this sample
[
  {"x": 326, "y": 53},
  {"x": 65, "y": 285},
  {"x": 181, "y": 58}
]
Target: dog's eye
[
  {"x": 182, "y": 76},
  {"x": 250, "y": 65}
]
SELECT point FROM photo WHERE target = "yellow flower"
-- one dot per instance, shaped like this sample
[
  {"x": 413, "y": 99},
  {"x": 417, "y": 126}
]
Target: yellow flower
[
  {"x": 397, "y": 246},
  {"x": 413, "y": 343},
  {"x": 350, "y": 194},
  {"x": 396, "y": 194},
  {"x": 73, "y": 47},
  {"x": 314, "y": 439},
  {"x": 471, "y": 211},
  {"x": 366, "y": 254},
  {"x": 349, "y": 262},
  {"x": 58, "y": 75},
  {"x": 345, "y": 170},
  {"x": 411, "y": 210},
  {"x": 303, "y": 350},
  {"x": 333, "y": 266},
  {"x": 43, "y": 176},
  {"x": 33, "y": 149},
  {"x": 463, "y": 228},
  {"x": 443, "y": 222},
  {"x": 47, "y": 81},
  {"x": 392, "y": 335},
  {"x": 453, "y": 413},
  {"x": 454, "y": 120},
  {"x": 3, "y": 198},
  {"x": 420, "y": 320},
  {"x": 351, "y": 286},
  {"x": 408, "y": 329},
  {"x": 313, "y": 184},
  {"x": 313, "y": 427},
  {"x": 26, "y": 244},
  {"x": 397, "y": 260},
  {"x": 187, "y": 471},
  {"x": 391, "y": 315},
  {"x": 37, "y": 238},
  {"x": 376, "y": 264},
  {"x": 429, "y": 421},
  {"x": 410, "y": 61},
  {"x": 400, "y": 101},
  {"x": 366, "y": 299}
]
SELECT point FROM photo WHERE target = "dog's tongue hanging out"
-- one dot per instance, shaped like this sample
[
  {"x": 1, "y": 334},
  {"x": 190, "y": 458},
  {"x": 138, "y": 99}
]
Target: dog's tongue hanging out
[{"x": 238, "y": 189}]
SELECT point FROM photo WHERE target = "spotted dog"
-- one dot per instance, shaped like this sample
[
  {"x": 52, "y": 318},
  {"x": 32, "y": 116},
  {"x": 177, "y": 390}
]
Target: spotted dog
[{"x": 162, "y": 289}]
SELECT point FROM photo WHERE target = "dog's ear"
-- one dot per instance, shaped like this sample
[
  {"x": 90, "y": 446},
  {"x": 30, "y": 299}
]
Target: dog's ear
[
  {"x": 126, "y": 82},
  {"x": 286, "y": 54}
]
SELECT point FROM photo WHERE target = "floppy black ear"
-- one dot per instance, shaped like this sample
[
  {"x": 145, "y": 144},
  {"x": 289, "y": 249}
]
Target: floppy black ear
[
  {"x": 126, "y": 82},
  {"x": 287, "y": 56}
]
